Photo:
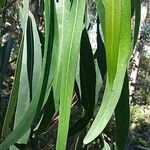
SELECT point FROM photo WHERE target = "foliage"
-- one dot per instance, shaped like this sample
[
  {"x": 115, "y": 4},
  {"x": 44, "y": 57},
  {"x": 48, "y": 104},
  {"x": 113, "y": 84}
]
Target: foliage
[{"x": 57, "y": 64}]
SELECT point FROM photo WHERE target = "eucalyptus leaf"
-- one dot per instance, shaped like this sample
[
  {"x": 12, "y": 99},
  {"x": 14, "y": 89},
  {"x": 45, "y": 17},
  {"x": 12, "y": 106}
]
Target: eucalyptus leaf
[
  {"x": 112, "y": 95},
  {"x": 122, "y": 114},
  {"x": 70, "y": 20}
]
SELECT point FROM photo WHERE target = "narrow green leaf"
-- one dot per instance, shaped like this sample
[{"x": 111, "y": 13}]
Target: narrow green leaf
[
  {"x": 100, "y": 54},
  {"x": 50, "y": 44},
  {"x": 112, "y": 36},
  {"x": 101, "y": 14},
  {"x": 99, "y": 82},
  {"x": 30, "y": 55},
  {"x": 77, "y": 81},
  {"x": 37, "y": 56},
  {"x": 24, "y": 15},
  {"x": 23, "y": 93},
  {"x": 38, "y": 98},
  {"x": 47, "y": 75},
  {"x": 32, "y": 60},
  {"x": 14, "y": 96},
  {"x": 70, "y": 21},
  {"x": 87, "y": 75},
  {"x": 14, "y": 93},
  {"x": 88, "y": 83},
  {"x": 122, "y": 114},
  {"x": 23, "y": 126},
  {"x": 111, "y": 97}
]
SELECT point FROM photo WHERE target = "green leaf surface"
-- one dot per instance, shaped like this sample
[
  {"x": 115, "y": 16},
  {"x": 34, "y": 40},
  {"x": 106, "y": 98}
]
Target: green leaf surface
[
  {"x": 37, "y": 58},
  {"x": 29, "y": 64},
  {"x": 99, "y": 82},
  {"x": 38, "y": 98},
  {"x": 122, "y": 114},
  {"x": 87, "y": 75},
  {"x": 50, "y": 47},
  {"x": 101, "y": 14},
  {"x": 30, "y": 70},
  {"x": 112, "y": 36},
  {"x": 100, "y": 54},
  {"x": 23, "y": 93},
  {"x": 111, "y": 96},
  {"x": 70, "y": 20},
  {"x": 13, "y": 96},
  {"x": 87, "y": 84}
]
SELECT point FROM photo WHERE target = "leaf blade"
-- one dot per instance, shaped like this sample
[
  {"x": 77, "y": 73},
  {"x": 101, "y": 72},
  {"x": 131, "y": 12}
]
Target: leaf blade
[
  {"x": 122, "y": 113},
  {"x": 111, "y": 97},
  {"x": 74, "y": 14}
]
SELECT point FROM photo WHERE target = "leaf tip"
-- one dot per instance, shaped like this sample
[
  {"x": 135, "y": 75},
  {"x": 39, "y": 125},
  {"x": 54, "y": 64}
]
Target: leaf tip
[{"x": 87, "y": 139}]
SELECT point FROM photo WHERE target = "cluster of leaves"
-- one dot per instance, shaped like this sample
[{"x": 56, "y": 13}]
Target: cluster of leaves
[{"x": 54, "y": 66}]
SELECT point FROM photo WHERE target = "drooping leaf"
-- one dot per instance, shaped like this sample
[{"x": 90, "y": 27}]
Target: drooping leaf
[
  {"x": 30, "y": 55},
  {"x": 70, "y": 21},
  {"x": 87, "y": 75},
  {"x": 112, "y": 36},
  {"x": 51, "y": 41},
  {"x": 122, "y": 114},
  {"x": 35, "y": 62},
  {"x": 100, "y": 54},
  {"x": 14, "y": 94},
  {"x": 38, "y": 98},
  {"x": 48, "y": 73},
  {"x": 13, "y": 97},
  {"x": 99, "y": 82},
  {"x": 87, "y": 83},
  {"x": 101, "y": 15},
  {"x": 23, "y": 92},
  {"x": 111, "y": 96},
  {"x": 30, "y": 70}
]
